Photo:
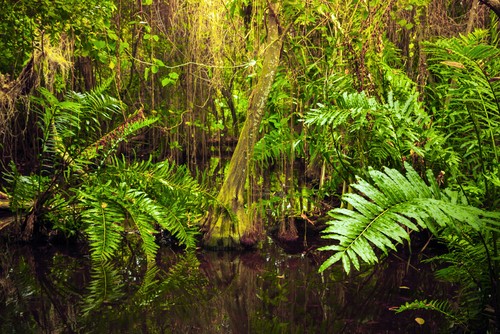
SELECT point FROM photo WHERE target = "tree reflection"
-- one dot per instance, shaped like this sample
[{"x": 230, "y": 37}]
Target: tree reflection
[{"x": 49, "y": 291}]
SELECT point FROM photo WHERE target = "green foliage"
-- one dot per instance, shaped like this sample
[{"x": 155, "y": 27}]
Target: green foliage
[
  {"x": 83, "y": 186},
  {"x": 467, "y": 70},
  {"x": 146, "y": 195},
  {"x": 392, "y": 203},
  {"x": 461, "y": 139},
  {"x": 22, "y": 189},
  {"x": 469, "y": 264},
  {"x": 442, "y": 307},
  {"x": 362, "y": 132},
  {"x": 77, "y": 134},
  {"x": 70, "y": 126},
  {"x": 275, "y": 143},
  {"x": 23, "y": 22}
]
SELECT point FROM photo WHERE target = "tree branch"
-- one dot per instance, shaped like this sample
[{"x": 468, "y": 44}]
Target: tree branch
[{"x": 494, "y": 5}]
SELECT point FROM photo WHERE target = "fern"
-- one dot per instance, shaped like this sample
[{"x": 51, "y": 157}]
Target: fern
[
  {"x": 468, "y": 265},
  {"x": 107, "y": 145},
  {"x": 271, "y": 147},
  {"x": 467, "y": 69},
  {"x": 77, "y": 121},
  {"x": 143, "y": 212},
  {"x": 394, "y": 202},
  {"x": 442, "y": 307},
  {"x": 149, "y": 196},
  {"x": 22, "y": 189},
  {"x": 362, "y": 131},
  {"x": 81, "y": 135},
  {"x": 105, "y": 222},
  {"x": 278, "y": 141}
]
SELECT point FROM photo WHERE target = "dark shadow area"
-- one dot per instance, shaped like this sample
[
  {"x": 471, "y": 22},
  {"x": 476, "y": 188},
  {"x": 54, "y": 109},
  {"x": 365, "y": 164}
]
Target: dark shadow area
[{"x": 49, "y": 290}]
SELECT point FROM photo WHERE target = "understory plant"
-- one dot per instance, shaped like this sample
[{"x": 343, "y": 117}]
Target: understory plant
[
  {"x": 85, "y": 187},
  {"x": 392, "y": 205},
  {"x": 354, "y": 131},
  {"x": 457, "y": 200},
  {"x": 143, "y": 197},
  {"x": 466, "y": 105},
  {"x": 386, "y": 210}
]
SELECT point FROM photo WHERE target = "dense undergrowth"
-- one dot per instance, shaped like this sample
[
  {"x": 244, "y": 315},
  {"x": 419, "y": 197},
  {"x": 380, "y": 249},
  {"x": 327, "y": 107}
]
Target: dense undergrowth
[{"x": 374, "y": 105}]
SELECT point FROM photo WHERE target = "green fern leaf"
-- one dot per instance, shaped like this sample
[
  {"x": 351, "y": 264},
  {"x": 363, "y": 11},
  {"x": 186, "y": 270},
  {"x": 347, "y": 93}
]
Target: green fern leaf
[
  {"x": 472, "y": 109},
  {"x": 103, "y": 224},
  {"x": 442, "y": 307},
  {"x": 381, "y": 218},
  {"x": 147, "y": 195}
]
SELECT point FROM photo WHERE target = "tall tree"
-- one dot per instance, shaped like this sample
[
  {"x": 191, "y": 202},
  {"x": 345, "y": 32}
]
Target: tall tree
[{"x": 233, "y": 226}]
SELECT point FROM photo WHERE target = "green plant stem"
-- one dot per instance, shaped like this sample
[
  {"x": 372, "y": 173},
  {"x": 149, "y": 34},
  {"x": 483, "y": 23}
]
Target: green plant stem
[{"x": 480, "y": 147}]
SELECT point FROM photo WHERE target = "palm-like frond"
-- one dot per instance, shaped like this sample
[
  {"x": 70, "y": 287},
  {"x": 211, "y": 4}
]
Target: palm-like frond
[
  {"x": 71, "y": 125},
  {"x": 362, "y": 131},
  {"x": 175, "y": 191},
  {"x": 440, "y": 306},
  {"x": 149, "y": 196},
  {"x": 468, "y": 72},
  {"x": 386, "y": 210},
  {"x": 104, "y": 222},
  {"x": 96, "y": 115},
  {"x": 85, "y": 127}
]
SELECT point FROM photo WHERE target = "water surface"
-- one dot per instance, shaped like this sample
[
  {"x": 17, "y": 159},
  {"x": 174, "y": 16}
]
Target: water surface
[{"x": 59, "y": 290}]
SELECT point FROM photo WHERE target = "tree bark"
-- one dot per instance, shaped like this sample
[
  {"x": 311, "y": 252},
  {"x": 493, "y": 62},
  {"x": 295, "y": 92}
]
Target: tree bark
[
  {"x": 231, "y": 226},
  {"x": 472, "y": 16},
  {"x": 494, "y": 5}
]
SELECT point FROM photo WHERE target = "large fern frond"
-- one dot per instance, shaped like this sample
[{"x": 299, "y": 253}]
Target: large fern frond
[
  {"x": 69, "y": 126},
  {"x": 440, "y": 306},
  {"x": 146, "y": 195},
  {"x": 366, "y": 132},
  {"x": 103, "y": 221},
  {"x": 172, "y": 187},
  {"x": 386, "y": 210},
  {"x": 467, "y": 69}
]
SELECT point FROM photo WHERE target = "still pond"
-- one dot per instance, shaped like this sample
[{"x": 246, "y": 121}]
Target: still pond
[{"x": 51, "y": 289}]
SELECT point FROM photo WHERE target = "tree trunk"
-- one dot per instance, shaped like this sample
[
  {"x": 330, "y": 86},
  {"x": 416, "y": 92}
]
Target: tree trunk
[
  {"x": 231, "y": 226},
  {"x": 472, "y": 16},
  {"x": 494, "y": 5}
]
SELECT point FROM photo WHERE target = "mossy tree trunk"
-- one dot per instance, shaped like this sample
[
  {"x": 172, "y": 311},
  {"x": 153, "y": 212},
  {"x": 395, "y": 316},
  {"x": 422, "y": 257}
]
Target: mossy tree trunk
[{"x": 233, "y": 226}]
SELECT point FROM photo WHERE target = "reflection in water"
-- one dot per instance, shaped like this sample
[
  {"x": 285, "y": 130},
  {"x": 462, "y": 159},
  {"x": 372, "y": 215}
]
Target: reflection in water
[{"x": 49, "y": 291}]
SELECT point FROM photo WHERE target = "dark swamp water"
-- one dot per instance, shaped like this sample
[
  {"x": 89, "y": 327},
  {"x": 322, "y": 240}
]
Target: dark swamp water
[{"x": 58, "y": 290}]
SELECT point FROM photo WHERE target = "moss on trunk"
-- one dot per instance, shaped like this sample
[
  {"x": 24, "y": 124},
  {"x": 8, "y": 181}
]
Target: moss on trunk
[{"x": 231, "y": 226}]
